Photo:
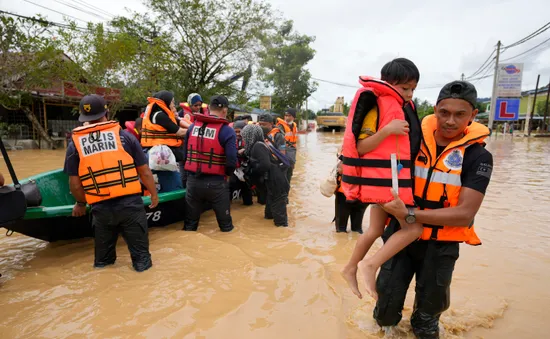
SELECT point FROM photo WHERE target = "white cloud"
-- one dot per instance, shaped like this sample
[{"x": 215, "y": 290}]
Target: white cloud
[{"x": 353, "y": 37}]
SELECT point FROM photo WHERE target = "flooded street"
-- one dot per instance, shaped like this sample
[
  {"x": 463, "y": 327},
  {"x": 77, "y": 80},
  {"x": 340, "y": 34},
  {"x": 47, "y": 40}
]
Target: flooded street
[{"x": 260, "y": 281}]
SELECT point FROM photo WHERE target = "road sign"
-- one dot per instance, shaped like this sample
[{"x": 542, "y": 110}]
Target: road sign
[
  {"x": 509, "y": 80},
  {"x": 265, "y": 102},
  {"x": 507, "y": 109}
]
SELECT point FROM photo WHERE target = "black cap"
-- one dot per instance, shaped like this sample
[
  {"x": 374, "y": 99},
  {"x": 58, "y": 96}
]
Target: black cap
[
  {"x": 291, "y": 111},
  {"x": 459, "y": 90},
  {"x": 92, "y": 107},
  {"x": 265, "y": 117},
  {"x": 219, "y": 101}
]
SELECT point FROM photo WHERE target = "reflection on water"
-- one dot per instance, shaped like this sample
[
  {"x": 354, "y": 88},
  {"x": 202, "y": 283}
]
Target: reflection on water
[{"x": 266, "y": 282}]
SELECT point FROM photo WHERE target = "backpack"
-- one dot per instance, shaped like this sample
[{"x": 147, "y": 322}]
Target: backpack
[{"x": 278, "y": 155}]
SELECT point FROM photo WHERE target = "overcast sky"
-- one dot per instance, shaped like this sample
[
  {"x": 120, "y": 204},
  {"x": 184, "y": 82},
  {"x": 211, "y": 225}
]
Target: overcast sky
[{"x": 356, "y": 37}]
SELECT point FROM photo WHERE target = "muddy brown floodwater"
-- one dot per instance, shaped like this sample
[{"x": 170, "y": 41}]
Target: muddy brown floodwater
[{"x": 265, "y": 282}]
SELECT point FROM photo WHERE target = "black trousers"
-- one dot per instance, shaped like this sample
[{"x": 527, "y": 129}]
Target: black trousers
[
  {"x": 235, "y": 186},
  {"x": 111, "y": 219},
  {"x": 277, "y": 196},
  {"x": 344, "y": 211},
  {"x": 433, "y": 264},
  {"x": 204, "y": 190}
]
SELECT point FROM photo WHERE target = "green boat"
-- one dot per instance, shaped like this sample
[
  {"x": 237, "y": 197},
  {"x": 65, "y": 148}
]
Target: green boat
[{"x": 52, "y": 220}]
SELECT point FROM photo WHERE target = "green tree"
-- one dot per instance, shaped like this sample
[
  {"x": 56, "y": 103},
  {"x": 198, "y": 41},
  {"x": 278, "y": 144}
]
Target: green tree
[
  {"x": 283, "y": 66},
  {"x": 541, "y": 107},
  {"x": 481, "y": 106},
  {"x": 211, "y": 41},
  {"x": 423, "y": 108}
]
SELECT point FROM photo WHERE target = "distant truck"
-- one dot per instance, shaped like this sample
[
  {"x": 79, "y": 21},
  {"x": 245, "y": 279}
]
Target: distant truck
[{"x": 331, "y": 120}]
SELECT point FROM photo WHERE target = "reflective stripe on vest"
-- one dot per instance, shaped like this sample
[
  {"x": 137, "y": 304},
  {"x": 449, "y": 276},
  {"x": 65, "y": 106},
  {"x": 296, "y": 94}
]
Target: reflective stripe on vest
[
  {"x": 153, "y": 134},
  {"x": 437, "y": 179},
  {"x": 105, "y": 170},
  {"x": 291, "y": 135},
  {"x": 368, "y": 178},
  {"x": 205, "y": 154}
]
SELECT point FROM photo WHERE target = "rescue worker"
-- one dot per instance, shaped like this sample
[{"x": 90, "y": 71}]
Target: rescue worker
[
  {"x": 452, "y": 172},
  {"x": 266, "y": 168},
  {"x": 272, "y": 133},
  {"x": 161, "y": 126},
  {"x": 210, "y": 156},
  {"x": 288, "y": 126},
  {"x": 193, "y": 105},
  {"x": 237, "y": 183},
  {"x": 105, "y": 165}
]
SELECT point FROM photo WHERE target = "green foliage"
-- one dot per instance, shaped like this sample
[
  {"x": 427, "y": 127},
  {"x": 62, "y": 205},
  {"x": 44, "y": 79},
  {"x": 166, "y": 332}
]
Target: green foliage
[
  {"x": 423, "y": 108},
  {"x": 284, "y": 59},
  {"x": 481, "y": 106}
]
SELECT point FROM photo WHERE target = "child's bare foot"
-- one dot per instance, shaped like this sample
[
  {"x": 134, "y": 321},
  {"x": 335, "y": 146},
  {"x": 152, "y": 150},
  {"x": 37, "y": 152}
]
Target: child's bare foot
[
  {"x": 369, "y": 275},
  {"x": 350, "y": 275}
]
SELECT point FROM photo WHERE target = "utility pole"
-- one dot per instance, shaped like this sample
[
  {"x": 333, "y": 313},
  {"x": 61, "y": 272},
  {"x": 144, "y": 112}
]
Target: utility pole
[
  {"x": 546, "y": 108},
  {"x": 462, "y": 77},
  {"x": 494, "y": 96},
  {"x": 527, "y": 129}
]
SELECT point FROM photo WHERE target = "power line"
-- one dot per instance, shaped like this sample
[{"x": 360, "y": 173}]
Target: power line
[
  {"x": 94, "y": 8},
  {"x": 480, "y": 69},
  {"x": 530, "y": 36},
  {"x": 53, "y": 10},
  {"x": 80, "y": 9},
  {"x": 529, "y": 50},
  {"x": 336, "y": 83},
  {"x": 47, "y": 22}
]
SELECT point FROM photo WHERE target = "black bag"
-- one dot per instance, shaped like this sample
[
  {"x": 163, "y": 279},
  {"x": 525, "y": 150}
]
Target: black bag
[{"x": 15, "y": 199}]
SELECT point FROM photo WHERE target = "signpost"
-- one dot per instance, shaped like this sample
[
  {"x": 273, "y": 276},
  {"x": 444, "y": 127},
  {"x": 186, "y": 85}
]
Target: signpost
[
  {"x": 506, "y": 91},
  {"x": 265, "y": 102},
  {"x": 509, "y": 80},
  {"x": 507, "y": 109}
]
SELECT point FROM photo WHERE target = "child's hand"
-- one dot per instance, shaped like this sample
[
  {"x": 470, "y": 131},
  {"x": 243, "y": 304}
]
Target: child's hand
[
  {"x": 397, "y": 127},
  {"x": 340, "y": 168}
]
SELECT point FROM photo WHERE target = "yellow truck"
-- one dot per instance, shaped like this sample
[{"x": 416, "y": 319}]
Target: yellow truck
[{"x": 331, "y": 120}]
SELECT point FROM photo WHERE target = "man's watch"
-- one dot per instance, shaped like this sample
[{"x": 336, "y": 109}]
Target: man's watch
[
  {"x": 411, "y": 217},
  {"x": 79, "y": 203}
]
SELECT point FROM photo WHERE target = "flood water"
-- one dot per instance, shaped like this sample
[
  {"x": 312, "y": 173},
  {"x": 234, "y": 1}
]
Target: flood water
[{"x": 260, "y": 281}]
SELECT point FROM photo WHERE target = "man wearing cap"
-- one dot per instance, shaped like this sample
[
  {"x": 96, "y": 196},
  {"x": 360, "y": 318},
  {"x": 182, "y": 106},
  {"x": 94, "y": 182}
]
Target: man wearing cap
[
  {"x": 288, "y": 126},
  {"x": 210, "y": 156},
  {"x": 105, "y": 165},
  {"x": 272, "y": 133},
  {"x": 452, "y": 172}
]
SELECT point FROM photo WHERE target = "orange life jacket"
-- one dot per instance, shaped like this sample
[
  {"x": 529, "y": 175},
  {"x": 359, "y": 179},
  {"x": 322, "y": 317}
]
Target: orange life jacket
[
  {"x": 154, "y": 134},
  {"x": 368, "y": 178},
  {"x": 105, "y": 170},
  {"x": 291, "y": 134},
  {"x": 271, "y": 135},
  {"x": 437, "y": 179}
]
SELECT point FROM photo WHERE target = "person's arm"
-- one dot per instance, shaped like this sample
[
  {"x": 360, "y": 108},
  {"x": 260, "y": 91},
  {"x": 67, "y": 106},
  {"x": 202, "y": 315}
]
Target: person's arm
[
  {"x": 146, "y": 177},
  {"x": 280, "y": 142},
  {"x": 185, "y": 140},
  {"x": 395, "y": 127},
  {"x": 133, "y": 147},
  {"x": 1, "y": 180},
  {"x": 72, "y": 161},
  {"x": 475, "y": 180},
  {"x": 228, "y": 139},
  {"x": 162, "y": 119}
]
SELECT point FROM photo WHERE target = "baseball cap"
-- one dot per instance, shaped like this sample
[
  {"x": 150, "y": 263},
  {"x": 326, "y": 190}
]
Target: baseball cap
[
  {"x": 265, "y": 117},
  {"x": 291, "y": 111},
  {"x": 193, "y": 98},
  {"x": 459, "y": 90},
  {"x": 92, "y": 107},
  {"x": 219, "y": 101}
]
